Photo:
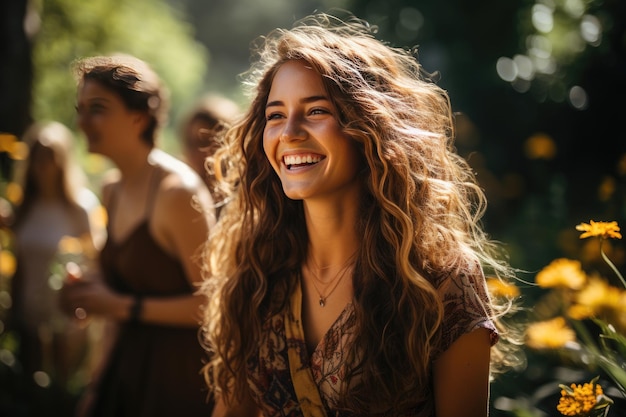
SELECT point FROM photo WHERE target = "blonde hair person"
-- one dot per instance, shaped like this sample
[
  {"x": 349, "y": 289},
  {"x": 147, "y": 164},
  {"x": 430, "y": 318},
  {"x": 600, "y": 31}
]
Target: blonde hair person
[
  {"x": 346, "y": 277},
  {"x": 56, "y": 206}
]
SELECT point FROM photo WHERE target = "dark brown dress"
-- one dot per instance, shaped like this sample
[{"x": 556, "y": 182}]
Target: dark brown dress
[{"x": 153, "y": 370}]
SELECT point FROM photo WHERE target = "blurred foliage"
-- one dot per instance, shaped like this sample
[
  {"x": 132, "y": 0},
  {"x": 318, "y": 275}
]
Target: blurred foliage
[
  {"x": 552, "y": 42},
  {"x": 532, "y": 81},
  {"x": 228, "y": 27},
  {"x": 151, "y": 30},
  {"x": 557, "y": 40}
]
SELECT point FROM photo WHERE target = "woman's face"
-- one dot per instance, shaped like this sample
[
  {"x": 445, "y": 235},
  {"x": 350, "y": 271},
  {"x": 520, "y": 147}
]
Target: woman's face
[
  {"x": 45, "y": 168},
  {"x": 303, "y": 139},
  {"x": 198, "y": 144},
  {"x": 106, "y": 121}
]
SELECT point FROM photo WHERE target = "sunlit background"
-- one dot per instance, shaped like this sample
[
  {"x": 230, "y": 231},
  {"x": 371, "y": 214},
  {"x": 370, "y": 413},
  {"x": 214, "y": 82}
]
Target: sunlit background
[{"x": 539, "y": 87}]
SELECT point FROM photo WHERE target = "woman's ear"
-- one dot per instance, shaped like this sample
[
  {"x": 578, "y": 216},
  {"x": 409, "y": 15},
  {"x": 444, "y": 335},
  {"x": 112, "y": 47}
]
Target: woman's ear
[{"x": 141, "y": 121}]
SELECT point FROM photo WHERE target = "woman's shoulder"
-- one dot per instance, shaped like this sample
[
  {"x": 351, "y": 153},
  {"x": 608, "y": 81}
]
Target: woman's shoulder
[
  {"x": 182, "y": 203},
  {"x": 175, "y": 173},
  {"x": 179, "y": 184}
]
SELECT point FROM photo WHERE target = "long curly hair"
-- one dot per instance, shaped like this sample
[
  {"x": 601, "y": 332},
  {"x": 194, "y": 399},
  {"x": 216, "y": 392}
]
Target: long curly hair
[{"x": 419, "y": 216}]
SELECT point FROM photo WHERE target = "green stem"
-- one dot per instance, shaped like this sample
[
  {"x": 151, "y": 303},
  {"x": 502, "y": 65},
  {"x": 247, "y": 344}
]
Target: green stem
[{"x": 611, "y": 264}]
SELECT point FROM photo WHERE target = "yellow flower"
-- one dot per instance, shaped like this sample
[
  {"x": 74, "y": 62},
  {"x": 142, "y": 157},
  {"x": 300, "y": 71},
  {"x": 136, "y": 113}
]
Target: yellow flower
[
  {"x": 580, "y": 400},
  {"x": 7, "y": 263},
  {"x": 562, "y": 273},
  {"x": 549, "y": 334},
  {"x": 19, "y": 151},
  {"x": 14, "y": 193},
  {"x": 6, "y": 141},
  {"x": 605, "y": 230},
  {"x": 580, "y": 312},
  {"x": 499, "y": 288},
  {"x": 597, "y": 299}
]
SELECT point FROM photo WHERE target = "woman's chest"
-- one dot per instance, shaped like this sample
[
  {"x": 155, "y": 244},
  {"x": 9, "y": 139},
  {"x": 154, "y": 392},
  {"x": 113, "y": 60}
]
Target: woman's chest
[{"x": 271, "y": 371}]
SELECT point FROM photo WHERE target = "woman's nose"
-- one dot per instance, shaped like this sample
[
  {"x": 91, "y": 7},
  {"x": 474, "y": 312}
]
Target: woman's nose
[{"x": 292, "y": 130}]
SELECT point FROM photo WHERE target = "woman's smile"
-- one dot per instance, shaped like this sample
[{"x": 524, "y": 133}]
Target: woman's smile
[
  {"x": 303, "y": 139},
  {"x": 295, "y": 161}
]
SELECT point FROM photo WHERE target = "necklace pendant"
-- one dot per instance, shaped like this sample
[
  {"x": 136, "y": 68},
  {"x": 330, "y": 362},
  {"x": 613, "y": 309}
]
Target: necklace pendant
[{"x": 322, "y": 302}]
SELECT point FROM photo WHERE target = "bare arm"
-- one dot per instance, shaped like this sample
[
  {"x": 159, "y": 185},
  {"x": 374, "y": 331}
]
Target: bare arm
[
  {"x": 182, "y": 217},
  {"x": 182, "y": 228},
  {"x": 461, "y": 377}
]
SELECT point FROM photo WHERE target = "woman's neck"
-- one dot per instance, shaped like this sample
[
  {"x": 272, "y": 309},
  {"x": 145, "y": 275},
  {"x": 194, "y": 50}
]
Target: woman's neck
[
  {"x": 332, "y": 231},
  {"x": 134, "y": 166}
]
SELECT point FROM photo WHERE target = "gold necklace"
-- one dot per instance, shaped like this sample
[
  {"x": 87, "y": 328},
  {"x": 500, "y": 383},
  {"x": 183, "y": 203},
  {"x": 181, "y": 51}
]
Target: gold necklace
[{"x": 337, "y": 278}]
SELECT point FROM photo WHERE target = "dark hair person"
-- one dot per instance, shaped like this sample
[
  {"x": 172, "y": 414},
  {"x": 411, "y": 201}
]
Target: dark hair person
[
  {"x": 200, "y": 133},
  {"x": 160, "y": 213},
  {"x": 346, "y": 278}
]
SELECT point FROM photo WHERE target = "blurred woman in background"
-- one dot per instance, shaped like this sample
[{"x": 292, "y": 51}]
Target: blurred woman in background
[
  {"x": 201, "y": 134},
  {"x": 56, "y": 205},
  {"x": 160, "y": 213}
]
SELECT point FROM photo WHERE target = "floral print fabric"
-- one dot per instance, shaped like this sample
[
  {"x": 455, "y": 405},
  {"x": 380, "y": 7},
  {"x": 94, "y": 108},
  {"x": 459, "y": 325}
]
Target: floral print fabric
[{"x": 286, "y": 380}]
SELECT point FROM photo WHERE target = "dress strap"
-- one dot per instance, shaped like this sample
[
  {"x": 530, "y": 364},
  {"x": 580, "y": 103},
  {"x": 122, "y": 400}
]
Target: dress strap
[
  {"x": 304, "y": 385},
  {"x": 110, "y": 205},
  {"x": 155, "y": 182}
]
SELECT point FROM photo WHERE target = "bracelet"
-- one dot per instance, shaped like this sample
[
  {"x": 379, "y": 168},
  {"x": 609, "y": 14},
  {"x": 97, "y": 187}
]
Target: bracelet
[{"x": 135, "y": 310}]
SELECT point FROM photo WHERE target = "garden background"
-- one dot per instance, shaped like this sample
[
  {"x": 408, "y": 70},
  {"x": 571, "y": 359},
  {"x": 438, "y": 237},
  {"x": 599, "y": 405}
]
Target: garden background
[{"x": 539, "y": 85}]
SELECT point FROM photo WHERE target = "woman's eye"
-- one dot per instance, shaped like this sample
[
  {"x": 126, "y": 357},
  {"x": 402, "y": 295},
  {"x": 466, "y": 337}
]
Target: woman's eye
[
  {"x": 91, "y": 109},
  {"x": 319, "y": 111},
  {"x": 95, "y": 109},
  {"x": 272, "y": 116}
]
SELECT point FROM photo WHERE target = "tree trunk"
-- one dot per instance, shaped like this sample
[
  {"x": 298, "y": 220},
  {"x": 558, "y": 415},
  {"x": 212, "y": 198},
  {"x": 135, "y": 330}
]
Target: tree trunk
[{"x": 16, "y": 72}]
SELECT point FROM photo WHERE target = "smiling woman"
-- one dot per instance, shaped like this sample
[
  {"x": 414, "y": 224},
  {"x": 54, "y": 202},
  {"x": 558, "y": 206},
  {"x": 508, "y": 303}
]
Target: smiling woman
[
  {"x": 303, "y": 139},
  {"x": 346, "y": 276}
]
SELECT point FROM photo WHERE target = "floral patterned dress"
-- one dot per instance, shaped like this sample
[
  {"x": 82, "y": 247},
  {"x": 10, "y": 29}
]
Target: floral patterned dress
[{"x": 285, "y": 380}]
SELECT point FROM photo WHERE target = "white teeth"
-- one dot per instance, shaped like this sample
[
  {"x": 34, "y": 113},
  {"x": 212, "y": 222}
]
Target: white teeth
[{"x": 298, "y": 159}]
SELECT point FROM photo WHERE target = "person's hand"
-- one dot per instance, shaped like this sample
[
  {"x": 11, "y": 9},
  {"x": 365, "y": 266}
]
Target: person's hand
[{"x": 85, "y": 294}]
